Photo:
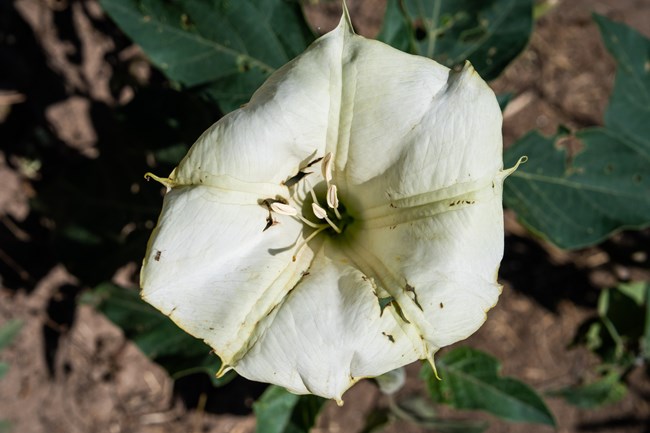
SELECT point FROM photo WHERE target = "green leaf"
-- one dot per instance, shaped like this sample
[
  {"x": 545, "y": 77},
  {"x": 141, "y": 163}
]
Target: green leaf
[
  {"x": 9, "y": 331},
  {"x": 279, "y": 411},
  {"x": 227, "y": 47},
  {"x": 4, "y": 367},
  {"x": 504, "y": 99},
  {"x": 487, "y": 33},
  {"x": 578, "y": 198},
  {"x": 395, "y": 29},
  {"x": 5, "y": 426},
  {"x": 629, "y": 106},
  {"x": 470, "y": 380},
  {"x": 636, "y": 291},
  {"x": 606, "y": 390},
  {"x": 578, "y": 201},
  {"x": 623, "y": 320},
  {"x": 155, "y": 334}
]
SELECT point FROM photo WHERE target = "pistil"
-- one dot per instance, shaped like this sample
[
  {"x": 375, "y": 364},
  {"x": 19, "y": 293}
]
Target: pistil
[{"x": 320, "y": 212}]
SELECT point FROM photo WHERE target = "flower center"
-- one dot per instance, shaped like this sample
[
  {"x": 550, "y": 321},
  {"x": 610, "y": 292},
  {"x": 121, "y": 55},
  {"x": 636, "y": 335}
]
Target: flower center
[{"x": 320, "y": 209}]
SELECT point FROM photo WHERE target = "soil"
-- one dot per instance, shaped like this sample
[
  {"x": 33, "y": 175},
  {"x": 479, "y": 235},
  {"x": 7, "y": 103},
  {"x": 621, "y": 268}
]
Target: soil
[{"x": 71, "y": 370}]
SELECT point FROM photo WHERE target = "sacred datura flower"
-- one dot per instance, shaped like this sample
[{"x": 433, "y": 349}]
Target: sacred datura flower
[{"x": 344, "y": 223}]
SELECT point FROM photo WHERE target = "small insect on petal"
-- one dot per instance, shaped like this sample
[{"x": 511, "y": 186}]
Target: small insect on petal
[
  {"x": 283, "y": 209},
  {"x": 320, "y": 213}
]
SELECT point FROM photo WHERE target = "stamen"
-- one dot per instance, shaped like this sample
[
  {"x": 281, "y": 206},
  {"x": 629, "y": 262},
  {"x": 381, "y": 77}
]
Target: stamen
[
  {"x": 283, "y": 209},
  {"x": 286, "y": 209},
  {"x": 309, "y": 223},
  {"x": 313, "y": 196},
  {"x": 306, "y": 241},
  {"x": 333, "y": 200},
  {"x": 326, "y": 167},
  {"x": 322, "y": 215}
]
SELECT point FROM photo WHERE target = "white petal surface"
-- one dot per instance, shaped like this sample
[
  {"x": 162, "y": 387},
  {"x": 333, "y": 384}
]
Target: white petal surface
[
  {"x": 418, "y": 162},
  {"x": 285, "y": 124},
  {"x": 209, "y": 265},
  {"x": 212, "y": 269},
  {"x": 442, "y": 128},
  {"x": 329, "y": 333},
  {"x": 442, "y": 270}
]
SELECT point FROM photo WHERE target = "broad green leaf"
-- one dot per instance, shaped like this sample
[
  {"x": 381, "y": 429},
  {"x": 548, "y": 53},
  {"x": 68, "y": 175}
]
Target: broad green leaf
[
  {"x": 227, "y": 47},
  {"x": 396, "y": 29},
  {"x": 487, "y": 33},
  {"x": 156, "y": 335},
  {"x": 8, "y": 332},
  {"x": 578, "y": 198},
  {"x": 279, "y": 411},
  {"x": 4, "y": 367},
  {"x": 578, "y": 201},
  {"x": 628, "y": 112},
  {"x": 5, "y": 426},
  {"x": 470, "y": 380},
  {"x": 608, "y": 389}
]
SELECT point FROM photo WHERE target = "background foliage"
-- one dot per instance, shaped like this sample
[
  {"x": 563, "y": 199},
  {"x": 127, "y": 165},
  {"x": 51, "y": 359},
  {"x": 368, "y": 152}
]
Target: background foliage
[{"x": 576, "y": 190}]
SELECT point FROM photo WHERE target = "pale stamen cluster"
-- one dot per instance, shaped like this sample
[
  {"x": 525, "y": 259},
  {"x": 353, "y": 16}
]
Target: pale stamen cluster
[{"x": 318, "y": 210}]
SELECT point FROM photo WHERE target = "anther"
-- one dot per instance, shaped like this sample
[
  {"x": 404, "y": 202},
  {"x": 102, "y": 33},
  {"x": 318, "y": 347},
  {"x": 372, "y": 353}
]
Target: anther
[
  {"x": 286, "y": 209},
  {"x": 321, "y": 214},
  {"x": 326, "y": 167},
  {"x": 283, "y": 209},
  {"x": 333, "y": 200}
]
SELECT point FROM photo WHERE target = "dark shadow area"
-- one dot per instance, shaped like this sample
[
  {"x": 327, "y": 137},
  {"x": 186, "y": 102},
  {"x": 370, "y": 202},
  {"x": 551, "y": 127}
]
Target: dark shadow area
[
  {"x": 60, "y": 316},
  {"x": 94, "y": 215},
  {"x": 630, "y": 422},
  {"x": 629, "y": 248},
  {"x": 236, "y": 397},
  {"x": 25, "y": 133},
  {"x": 530, "y": 271},
  {"x": 25, "y": 260}
]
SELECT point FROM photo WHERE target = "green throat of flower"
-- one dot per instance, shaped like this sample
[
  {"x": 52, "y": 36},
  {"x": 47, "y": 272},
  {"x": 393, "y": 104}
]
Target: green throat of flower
[{"x": 321, "y": 211}]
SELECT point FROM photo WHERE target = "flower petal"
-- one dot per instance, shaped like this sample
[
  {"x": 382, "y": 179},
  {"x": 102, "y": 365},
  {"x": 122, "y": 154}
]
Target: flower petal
[
  {"x": 418, "y": 165},
  {"x": 329, "y": 332},
  {"x": 286, "y": 123},
  {"x": 209, "y": 265},
  {"x": 212, "y": 269},
  {"x": 411, "y": 126},
  {"x": 441, "y": 269}
]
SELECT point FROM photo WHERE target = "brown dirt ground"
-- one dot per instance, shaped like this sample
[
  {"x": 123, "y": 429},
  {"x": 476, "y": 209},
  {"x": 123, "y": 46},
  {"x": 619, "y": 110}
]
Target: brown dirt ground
[{"x": 101, "y": 383}]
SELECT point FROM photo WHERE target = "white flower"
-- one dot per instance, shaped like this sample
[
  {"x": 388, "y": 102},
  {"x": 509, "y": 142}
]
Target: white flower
[{"x": 346, "y": 222}]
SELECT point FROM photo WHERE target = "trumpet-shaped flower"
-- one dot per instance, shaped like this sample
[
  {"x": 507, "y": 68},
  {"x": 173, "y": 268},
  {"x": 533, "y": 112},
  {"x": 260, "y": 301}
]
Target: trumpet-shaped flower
[{"x": 344, "y": 223}]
